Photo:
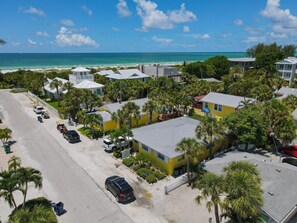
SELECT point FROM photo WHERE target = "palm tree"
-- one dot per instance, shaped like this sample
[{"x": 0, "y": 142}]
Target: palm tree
[
  {"x": 191, "y": 150},
  {"x": 5, "y": 135},
  {"x": 68, "y": 86},
  {"x": 245, "y": 103},
  {"x": 81, "y": 116},
  {"x": 14, "y": 163},
  {"x": 132, "y": 111},
  {"x": 209, "y": 128},
  {"x": 244, "y": 194},
  {"x": 119, "y": 116},
  {"x": 150, "y": 107},
  {"x": 56, "y": 84},
  {"x": 211, "y": 186},
  {"x": 26, "y": 176},
  {"x": 121, "y": 133},
  {"x": 9, "y": 183},
  {"x": 38, "y": 214},
  {"x": 94, "y": 120},
  {"x": 243, "y": 166}
]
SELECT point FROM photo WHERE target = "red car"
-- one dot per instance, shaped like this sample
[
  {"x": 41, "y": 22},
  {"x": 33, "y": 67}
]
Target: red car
[{"x": 290, "y": 150}]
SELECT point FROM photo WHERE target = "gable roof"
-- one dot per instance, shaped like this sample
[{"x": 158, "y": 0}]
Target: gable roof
[
  {"x": 225, "y": 99},
  {"x": 80, "y": 69},
  {"x": 243, "y": 59},
  {"x": 164, "y": 136},
  {"x": 123, "y": 74},
  {"x": 114, "y": 107},
  {"x": 289, "y": 60},
  {"x": 285, "y": 91},
  {"x": 278, "y": 179},
  {"x": 86, "y": 84},
  {"x": 53, "y": 90}
]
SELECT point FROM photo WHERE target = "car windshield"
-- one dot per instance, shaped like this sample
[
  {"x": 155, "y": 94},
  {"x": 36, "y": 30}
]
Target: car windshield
[{"x": 107, "y": 142}]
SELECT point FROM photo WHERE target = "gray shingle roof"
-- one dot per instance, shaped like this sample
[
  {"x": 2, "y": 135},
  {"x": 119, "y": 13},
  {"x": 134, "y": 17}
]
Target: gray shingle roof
[
  {"x": 113, "y": 107},
  {"x": 277, "y": 178},
  {"x": 105, "y": 115},
  {"x": 224, "y": 99},
  {"x": 164, "y": 136}
]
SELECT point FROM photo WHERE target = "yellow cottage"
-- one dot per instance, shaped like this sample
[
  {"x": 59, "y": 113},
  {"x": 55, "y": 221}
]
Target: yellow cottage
[
  {"x": 109, "y": 124},
  {"x": 220, "y": 105},
  {"x": 158, "y": 142}
]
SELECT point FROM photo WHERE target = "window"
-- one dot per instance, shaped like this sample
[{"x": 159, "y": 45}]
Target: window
[
  {"x": 144, "y": 147},
  {"x": 161, "y": 156},
  {"x": 217, "y": 107},
  {"x": 206, "y": 105}
]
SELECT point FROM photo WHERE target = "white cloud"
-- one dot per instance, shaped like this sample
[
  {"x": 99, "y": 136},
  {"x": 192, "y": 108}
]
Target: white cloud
[
  {"x": 278, "y": 35},
  {"x": 283, "y": 20},
  {"x": 162, "y": 41},
  {"x": 186, "y": 29},
  {"x": 123, "y": 9},
  {"x": 226, "y": 34},
  {"x": 66, "y": 38},
  {"x": 255, "y": 39},
  {"x": 87, "y": 10},
  {"x": 238, "y": 22},
  {"x": 155, "y": 18},
  {"x": 201, "y": 36},
  {"x": 115, "y": 29},
  {"x": 142, "y": 29},
  {"x": 67, "y": 22},
  {"x": 35, "y": 11},
  {"x": 31, "y": 42},
  {"x": 42, "y": 33}
]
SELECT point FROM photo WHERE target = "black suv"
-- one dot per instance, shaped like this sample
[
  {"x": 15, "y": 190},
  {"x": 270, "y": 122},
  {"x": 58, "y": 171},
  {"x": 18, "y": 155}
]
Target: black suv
[
  {"x": 71, "y": 136},
  {"x": 119, "y": 187}
]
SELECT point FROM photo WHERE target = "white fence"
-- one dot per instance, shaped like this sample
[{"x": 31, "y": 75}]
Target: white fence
[
  {"x": 179, "y": 182},
  {"x": 51, "y": 108}
]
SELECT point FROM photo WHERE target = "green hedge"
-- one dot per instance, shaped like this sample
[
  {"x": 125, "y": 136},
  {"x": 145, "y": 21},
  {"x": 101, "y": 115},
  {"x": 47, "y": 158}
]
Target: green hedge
[
  {"x": 151, "y": 178},
  {"x": 129, "y": 161},
  {"x": 117, "y": 154},
  {"x": 159, "y": 175},
  {"x": 144, "y": 172}
]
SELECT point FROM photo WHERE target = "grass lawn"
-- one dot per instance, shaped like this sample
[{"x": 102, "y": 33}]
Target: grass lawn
[
  {"x": 86, "y": 131},
  {"x": 197, "y": 117},
  {"x": 54, "y": 104}
]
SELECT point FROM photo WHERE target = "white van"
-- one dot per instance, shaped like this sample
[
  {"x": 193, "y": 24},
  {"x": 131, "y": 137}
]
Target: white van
[{"x": 110, "y": 146}]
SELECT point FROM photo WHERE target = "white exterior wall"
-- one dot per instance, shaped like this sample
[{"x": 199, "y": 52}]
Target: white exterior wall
[
  {"x": 287, "y": 71},
  {"x": 78, "y": 77}
]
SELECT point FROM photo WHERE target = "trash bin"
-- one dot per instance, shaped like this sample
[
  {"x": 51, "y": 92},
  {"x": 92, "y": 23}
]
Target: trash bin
[
  {"x": 39, "y": 118},
  {"x": 7, "y": 149},
  {"x": 59, "y": 208}
]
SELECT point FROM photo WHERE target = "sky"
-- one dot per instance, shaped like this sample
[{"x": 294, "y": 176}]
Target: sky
[{"x": 54, "y": 26}]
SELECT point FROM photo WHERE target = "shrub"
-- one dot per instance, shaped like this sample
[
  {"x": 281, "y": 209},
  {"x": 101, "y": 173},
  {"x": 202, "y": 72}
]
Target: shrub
[
  {"x": 117, "y": 154},
  {"x": 151, "y": 178},
  {"x": 129, "y": 161},
  {"x": 159, "y": 175},
  {"x": 144, "y": 172},
  {"x": 136, "y": 167}
]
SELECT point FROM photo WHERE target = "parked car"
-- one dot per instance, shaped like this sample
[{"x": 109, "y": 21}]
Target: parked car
[
  {"x": 61, "y": 128},
  {"x": 38, "y": 109},
  {"x": 290, "y": 150},
  {"x": 71, "y": 136},
  {"x": 120, "y": 188},
  {"x": 110, "y": 146},
  {"x": 290, "y": 160}
]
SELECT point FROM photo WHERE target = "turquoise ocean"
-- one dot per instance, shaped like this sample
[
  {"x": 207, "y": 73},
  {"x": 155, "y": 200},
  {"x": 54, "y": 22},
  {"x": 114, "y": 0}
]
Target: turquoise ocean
[{"x": 9, "y": 61}]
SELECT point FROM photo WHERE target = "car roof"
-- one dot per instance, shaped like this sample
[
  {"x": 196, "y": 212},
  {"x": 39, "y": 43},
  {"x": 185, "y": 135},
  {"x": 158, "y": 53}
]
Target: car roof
[
  {"x": 122, "y": 184},
  {"x": 72, "y": 132}
]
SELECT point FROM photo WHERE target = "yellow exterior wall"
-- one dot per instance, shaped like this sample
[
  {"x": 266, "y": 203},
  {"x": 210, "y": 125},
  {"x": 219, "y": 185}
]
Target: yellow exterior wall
[
  {"x": 218, "y": 114},
  {"x": 144, "y": 120},
  {"x": 174, "y": 163}
]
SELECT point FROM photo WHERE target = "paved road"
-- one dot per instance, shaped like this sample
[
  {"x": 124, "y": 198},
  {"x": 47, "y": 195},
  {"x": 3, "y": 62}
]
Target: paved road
[{"x": 64, "y": 180}]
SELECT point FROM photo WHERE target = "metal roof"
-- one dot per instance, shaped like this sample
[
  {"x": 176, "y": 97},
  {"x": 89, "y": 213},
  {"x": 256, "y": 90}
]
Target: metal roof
[
  {"x": 243, "y": 59},
  {"x": 86, "y": 84},
  {"x": 224, "y": 99},
  {"x": 287, "y": 91},
  {"x": 80, "y": 69},
  {"x": 279, "y": 181},
  {"x": 164, "y": 136},
  {"x": 289, "y": 60},
  {"x": 53, "y": 90},
  {"x": 113, "y": 107},
  {"x": 123, "y": 74}
]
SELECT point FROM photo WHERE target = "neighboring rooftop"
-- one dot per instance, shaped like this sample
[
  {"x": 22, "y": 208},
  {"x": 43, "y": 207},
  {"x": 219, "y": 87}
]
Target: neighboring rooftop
[
  {"x": 243, "y": 59},
  {"x": 86, "y": 84},
  {"x": 113, "y": 107},
  {"x": 279, "y": 181},
  {"x": 225, "y": 99},
  {"x": 285, "y": 91},
  {"x": 164, "y": 136},
  {"x": 210, "y": 80},
  {"x": 105, "y": 115},
  {"x": 80, "y": 69},
  {"x": 53, "y": 90},
  {"x": 123, "y": 74},
  {"x": 289, "y": 60},
  {"x": 294, "y": 113}
]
